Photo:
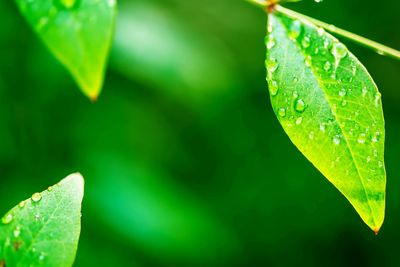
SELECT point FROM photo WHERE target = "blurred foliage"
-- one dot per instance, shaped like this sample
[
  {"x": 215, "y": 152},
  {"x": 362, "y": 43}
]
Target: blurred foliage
[{"x": 185, "y": 163}]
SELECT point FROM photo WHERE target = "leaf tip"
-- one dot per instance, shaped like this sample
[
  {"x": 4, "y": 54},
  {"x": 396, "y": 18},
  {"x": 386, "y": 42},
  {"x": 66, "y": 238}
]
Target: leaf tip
[
  {"x": 376, "y": 231},
  {"x": 75, "y": 179}
]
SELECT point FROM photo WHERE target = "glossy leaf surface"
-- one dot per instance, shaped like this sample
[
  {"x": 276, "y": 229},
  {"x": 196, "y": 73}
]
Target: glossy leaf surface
[
  {"x": 78, "y": 33},
  {"x": 331, "y": 110},
  {"x": 44, "y": 230}
]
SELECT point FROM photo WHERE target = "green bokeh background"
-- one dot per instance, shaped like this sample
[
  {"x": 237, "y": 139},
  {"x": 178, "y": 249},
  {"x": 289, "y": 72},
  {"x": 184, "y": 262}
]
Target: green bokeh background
[{"x": 184, "y": 160}]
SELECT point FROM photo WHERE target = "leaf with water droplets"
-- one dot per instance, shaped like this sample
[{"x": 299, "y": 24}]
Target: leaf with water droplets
[
  {"x": 44, "y": 229},
  {"x": 331, "y": 110},
  {"x": 78, "y": 33}
]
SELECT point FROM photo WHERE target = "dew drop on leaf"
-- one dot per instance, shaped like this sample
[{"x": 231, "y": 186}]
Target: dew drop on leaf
[
  {"x": 361, "y": 138},
  {"x": 376, "y": 137},
  {"x": 342, "y": 92},
  {"x": 380, "y": 164},
  {"x": 295, "y": 29},
  {"x": 339, "y": 51},
  {"x": 17, "y": 231},
  {"x": 321, "y": 31},
  {"x": 327, "y": 66},
  {"x": 7, "y": 218},
  {"x": 282, "y": 112},
  {"x": 336, "y": 139},
  {"x": 364, "y": 91},
  {"x": 327, "y": 43},
  {"x": 299, "y": 120},
  {"x": 22, "y": 204},
  {"x": 322, "y": 127},
  {"x": 272, "y": 65},
  {"x": 306, "y": 42},
  {"x": 271, "y": 42},
  {"x": 299, "y": 106},
  {"x": 273, "y": 88},
  {"x": 36, "y": 197}
]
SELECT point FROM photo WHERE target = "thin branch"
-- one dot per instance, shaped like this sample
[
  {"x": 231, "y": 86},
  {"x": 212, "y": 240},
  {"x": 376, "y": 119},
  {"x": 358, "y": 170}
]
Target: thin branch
[
  {"x": 260, "y": 3},
  {"x": 379, "y": 48}
]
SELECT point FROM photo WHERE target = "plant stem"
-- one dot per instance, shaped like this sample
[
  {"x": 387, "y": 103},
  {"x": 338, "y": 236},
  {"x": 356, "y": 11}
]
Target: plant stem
[
  {"x": 260, "y": 3},
  {"x": 379, "y": 48}
]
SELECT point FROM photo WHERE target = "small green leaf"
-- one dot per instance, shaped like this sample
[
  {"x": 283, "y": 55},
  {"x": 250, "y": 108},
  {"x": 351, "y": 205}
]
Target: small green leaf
[
  {"x": 44, "y": 230},
  {"x": 331, "y": 110},
  {"x": 78, "y": 33}
]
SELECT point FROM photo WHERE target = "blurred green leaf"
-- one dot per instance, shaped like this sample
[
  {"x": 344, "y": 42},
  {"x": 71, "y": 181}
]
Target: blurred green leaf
[
  {"x": 331, "y": 109},
  {"x": 149, "y": 209},
  {"x": 78, "y": 33},
  {"x": 44, "y": 230},
  {"x": 154, "y": 46}
]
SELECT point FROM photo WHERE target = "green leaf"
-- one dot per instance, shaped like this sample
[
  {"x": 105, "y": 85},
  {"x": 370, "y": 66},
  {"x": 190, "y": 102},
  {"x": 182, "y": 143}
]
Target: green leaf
[
  {"x": 331, "y": 110},
  {"x": 78, "y": 33},
  {"x": 44, "y": 230}
]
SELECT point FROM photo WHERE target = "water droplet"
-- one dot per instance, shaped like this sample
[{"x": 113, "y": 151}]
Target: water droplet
[
  {"x": 353, "y": 70},
  {"x": 311, "y": 135},
  {"x": 342, "y": 92},
  {"x": 344, "y": 103},
  {"x": 361, "y": 138},
  {"x": 308, "y": 61},
  {"x": 364, "y": 91},
  {"x": 295, "y": 94},
  {"x": 318, "y": 1},
  {"x": 320, "y": 31},
  {"x": 327, "y": 66},
  {"x": 336, "y": 139},
  {"x": 339, "y": 51},
  {"x": 50, "y": 188},
  {"x": 327, "y": 43},
  {"x": 269, "y": 27},
  {"x": 272, "y": 65},
  {"x": 299, "y": 106},
  {"x": 376, "y": 137},
  {"x": 369, "y": 159},
  {"x": 295, "y": 29},
  {"x": 22, "y": 204},
  {"x": 380, "y": 52},
  {"x": 17, "y": 231},
  {"x": 316, "y": 51},
  {"x": 271, "y": 42},
  {"x": 380, "y": 164},
  {"x": 306, "y": 42},
  {"x": 36, "y": 197},
  {"x": 37, "y": 217},
  {"x": 299, "y": 120},
  {"x": 7, "y": 218},
  {"x": 322, "y": 127},
  {"x": 273, "y": 88},
  {"x": 282, "y": 112}
]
